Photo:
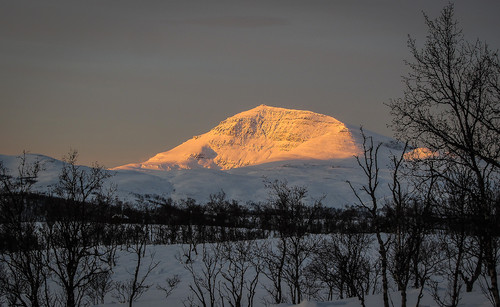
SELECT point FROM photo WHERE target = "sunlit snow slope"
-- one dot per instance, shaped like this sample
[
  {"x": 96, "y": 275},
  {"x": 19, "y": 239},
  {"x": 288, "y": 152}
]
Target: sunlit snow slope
[{"x": 261, "y": 135}]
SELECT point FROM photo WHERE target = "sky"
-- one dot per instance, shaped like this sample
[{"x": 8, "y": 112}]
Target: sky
[{"x": 122, "y": 80}]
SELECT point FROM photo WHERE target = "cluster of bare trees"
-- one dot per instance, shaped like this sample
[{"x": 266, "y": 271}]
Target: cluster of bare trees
[
  {"x": 292, "y": 264},
  {"x": 224, "y": 273},
  {"x": 22, "y": 269},
  {"x": 62, "y": 250},
  {"x": 450, "y": 109},
  {"x": 451, "y": 106},
  {"x": 65, "y": 256}
]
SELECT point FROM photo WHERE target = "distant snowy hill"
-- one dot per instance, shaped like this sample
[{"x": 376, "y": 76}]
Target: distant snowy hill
[
  {"x": 128, "y": 183},
  {"x": 243, "y": 152}
]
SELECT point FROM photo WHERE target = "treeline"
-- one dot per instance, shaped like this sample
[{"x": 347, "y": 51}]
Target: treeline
[
  {"x": 173, "y": 222},
  {"x": 168, "y": 215}
]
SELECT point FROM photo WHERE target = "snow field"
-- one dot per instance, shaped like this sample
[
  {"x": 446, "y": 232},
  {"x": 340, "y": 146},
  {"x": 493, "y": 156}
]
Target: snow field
[{"x": 168, "y": 257}]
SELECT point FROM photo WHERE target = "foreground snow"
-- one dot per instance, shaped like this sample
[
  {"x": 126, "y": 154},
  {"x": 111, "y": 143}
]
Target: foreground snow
[{"x": 170, "y": 266}]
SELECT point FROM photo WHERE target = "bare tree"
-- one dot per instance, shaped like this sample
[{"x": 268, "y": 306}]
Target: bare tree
[
  {"x": 322, "y": 270},
  {"x": 407, "y": 234},
  {"x": 205, "y": 275},
  {"x": 409, "y": 211},
  {"x": 300, "y": 249},
  {"x": 451, "y": 106},
  {"x": 24, "y": 274},
  {"x": 485, "y": 282},
  {"x": 258, "y": 267},
  {"x": 273, "y": 259},
  {"x": 189, "y": 233},
  {"x": 74, "y": 232},
  {"x": 170, "y": 286},
  {"x": 294, "y": 219},
  {"x": 99, "y": 286},
  {"x": 452, "y": 246},
  {"x": 368, "y": 198},
  {"x": 240, "y": 272},
  {"x": 341, "y": 262},
  {"x": 462, "y": 248},
  {"x": 130, "y": 290}
]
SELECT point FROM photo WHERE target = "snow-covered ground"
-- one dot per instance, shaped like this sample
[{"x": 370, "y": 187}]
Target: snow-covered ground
[{"x": 169, "y": 266}]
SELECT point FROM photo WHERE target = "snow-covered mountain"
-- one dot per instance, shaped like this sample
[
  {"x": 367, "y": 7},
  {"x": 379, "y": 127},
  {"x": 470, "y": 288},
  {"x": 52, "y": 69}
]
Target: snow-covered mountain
[
  {"x": 243, "y": 152},
  {"x": 261, "y": 135}
]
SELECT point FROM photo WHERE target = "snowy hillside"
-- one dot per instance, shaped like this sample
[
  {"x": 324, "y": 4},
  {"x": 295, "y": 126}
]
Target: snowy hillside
[
  {"x": 243, "y": 152},
  {"x": 127, "y": 182}
]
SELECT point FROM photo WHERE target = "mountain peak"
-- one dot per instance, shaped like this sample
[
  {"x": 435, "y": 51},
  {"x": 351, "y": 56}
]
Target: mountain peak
[
  {"x": 260, "y": 135},
  {"x": 262, "y": 109}
]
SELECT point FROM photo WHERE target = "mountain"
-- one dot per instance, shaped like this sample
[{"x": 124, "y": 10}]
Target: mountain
[
  {"x": 244, "y": 152},
  {"x": 261, "y": 135}
]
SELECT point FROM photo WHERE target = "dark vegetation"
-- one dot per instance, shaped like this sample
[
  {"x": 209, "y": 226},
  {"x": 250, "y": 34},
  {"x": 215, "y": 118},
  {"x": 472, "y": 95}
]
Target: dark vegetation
[{"x": 439, "y": 229}]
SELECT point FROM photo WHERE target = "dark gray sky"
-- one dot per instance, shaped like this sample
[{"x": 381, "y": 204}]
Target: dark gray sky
[{"x": 122, "y": 80}]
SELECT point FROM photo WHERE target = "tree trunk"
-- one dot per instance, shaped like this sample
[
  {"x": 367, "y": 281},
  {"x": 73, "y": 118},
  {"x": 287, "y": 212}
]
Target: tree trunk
[
  {"x": 492, "y": 270},
  {"x": 469, "y": 282},
  {"x": 455, "y": 288},
  {"x": 383, "y": 258},
  {"x": 403, "y": 297},
  {"x": 70, "y": 299}
]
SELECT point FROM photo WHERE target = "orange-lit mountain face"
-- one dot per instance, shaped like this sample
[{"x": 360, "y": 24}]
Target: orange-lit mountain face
[{"x": 260, "y": 135}]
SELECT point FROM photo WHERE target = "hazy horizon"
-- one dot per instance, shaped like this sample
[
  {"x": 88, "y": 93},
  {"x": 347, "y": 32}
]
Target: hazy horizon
[{"x": 121, "y": 80}]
